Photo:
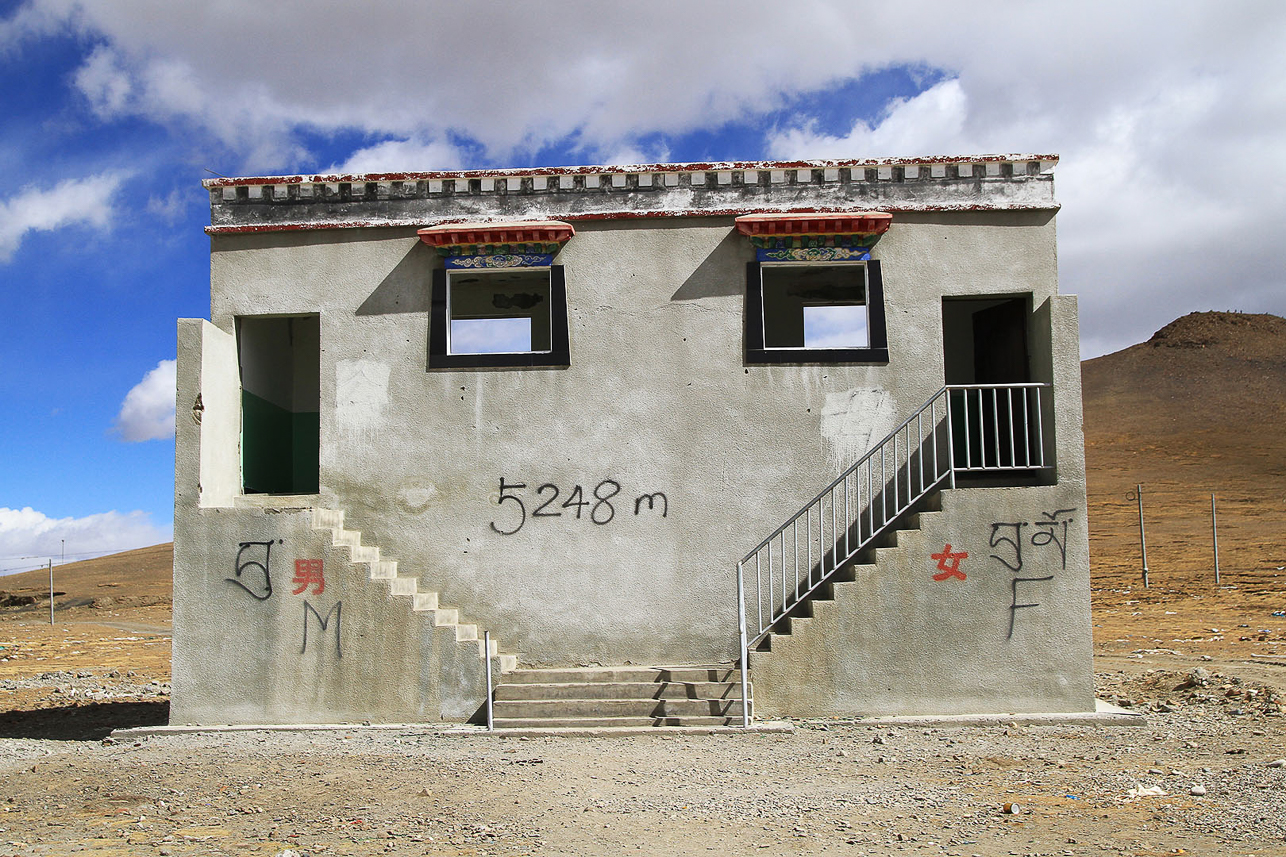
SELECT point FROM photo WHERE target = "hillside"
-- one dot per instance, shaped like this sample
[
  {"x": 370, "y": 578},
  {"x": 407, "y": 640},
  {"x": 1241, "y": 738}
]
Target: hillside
[
  {"x": 1196, "y": 410},
  {"x": 1202, "y": 402},
  {"x": 136, "y": 578}
]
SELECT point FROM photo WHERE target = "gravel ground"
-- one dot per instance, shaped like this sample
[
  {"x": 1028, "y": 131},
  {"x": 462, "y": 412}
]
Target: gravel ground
[{"x": 825, "y": 788}]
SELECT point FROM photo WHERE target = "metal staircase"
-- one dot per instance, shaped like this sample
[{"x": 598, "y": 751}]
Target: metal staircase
[{"x": 961, "y": 431}]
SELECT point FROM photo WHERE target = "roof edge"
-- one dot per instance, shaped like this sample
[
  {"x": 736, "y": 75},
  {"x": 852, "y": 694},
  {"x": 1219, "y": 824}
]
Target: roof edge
[{"x": 697, "y": 166}]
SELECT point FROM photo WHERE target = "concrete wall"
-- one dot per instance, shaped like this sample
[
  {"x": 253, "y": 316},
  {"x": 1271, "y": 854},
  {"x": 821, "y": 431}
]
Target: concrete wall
[
  {"x": 657, "y": 399},
  {"x": 1010, "y": 633}
]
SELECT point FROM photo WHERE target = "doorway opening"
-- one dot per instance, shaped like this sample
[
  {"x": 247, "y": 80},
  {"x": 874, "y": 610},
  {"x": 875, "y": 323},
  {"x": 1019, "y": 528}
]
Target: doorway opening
[
  {"x": 280, "y": 361},
  {"x": 997, "y": 430}
]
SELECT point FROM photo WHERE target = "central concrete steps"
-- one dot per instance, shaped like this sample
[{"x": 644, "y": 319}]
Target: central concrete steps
[{"x": 598, "y": 697}]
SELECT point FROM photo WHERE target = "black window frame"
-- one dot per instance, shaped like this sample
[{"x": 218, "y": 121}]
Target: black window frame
[
  {"x": 559, "y": 355},
  {"x": 876, "y": 352}
]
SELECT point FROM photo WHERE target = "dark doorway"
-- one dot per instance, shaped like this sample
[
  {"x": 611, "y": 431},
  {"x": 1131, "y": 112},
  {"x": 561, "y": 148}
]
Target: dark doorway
[
  {"x": 985, "y": 346},
  {"x": 985, "y": 340},
  {"x": 280, "y": 403}
]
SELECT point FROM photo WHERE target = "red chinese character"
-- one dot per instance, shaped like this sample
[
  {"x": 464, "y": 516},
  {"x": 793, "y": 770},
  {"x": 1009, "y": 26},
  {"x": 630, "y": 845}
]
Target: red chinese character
[
  {"x": 308, "y": 572},
  {"x": 949, "y": 563}
]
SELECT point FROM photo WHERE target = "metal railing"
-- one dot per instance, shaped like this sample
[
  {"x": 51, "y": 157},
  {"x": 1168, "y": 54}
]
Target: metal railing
[{"x": 975, "y": 429}]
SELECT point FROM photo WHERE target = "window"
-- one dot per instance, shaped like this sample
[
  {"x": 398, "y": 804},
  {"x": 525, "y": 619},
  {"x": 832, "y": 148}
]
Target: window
[
  {"x": 808, "y": 312},
  {"x": 508, "y": 317}
]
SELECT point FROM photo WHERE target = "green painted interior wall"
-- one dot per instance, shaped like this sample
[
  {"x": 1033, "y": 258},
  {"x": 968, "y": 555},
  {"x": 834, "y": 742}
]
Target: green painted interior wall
[
  {"x": 279, "y": 449},
  {"x": 305, "y": 432}
]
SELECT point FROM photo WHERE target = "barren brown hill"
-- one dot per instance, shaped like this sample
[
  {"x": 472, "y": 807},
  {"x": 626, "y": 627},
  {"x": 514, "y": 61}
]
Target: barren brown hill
[
  {"x": 1202, "y": 403},
  {"x": 1196, "y": 410},
  {"x": 136, "y": 578}
]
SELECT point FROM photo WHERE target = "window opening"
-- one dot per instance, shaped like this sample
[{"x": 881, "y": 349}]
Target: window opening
[
  {"x": 280, "y": 362},
  {"x": 498, "y": 312},
  {"x": 799, "y": 312},
  {"x": 510, "y": 317}
]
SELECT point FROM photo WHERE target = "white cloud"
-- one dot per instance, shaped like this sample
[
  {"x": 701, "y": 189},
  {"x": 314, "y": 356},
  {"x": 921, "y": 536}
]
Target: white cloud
[
  {"x": 171, "y": 207},
  {"x": 29, "y": 537},
  {"x": 148, "y": 410},
  {"x": 392, "y": 156},
  {"x": 72, "y": 202},
  {"x": 931, "y": 123},
  {"x": 1158, "y": 116}
]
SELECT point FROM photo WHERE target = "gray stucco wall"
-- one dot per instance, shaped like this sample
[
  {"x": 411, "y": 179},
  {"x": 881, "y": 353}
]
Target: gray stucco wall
[{"x": 658, "y": 398}]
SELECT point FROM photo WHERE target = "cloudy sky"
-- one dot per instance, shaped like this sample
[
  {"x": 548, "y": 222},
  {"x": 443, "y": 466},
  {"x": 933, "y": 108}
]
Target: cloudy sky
[{"x": 1170, "y": 119}]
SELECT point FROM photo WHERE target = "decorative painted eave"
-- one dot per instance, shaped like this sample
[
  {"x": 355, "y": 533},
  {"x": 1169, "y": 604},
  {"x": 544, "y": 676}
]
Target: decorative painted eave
[
  {"x": 481, "y": 238},
  {"x": 868, "y": 224},
  {"x": 569, "y": 194}
]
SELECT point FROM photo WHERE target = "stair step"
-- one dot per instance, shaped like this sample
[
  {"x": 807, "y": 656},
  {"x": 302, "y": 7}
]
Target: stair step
[
  {"x": 364, "y": 553},
  {"x": 328, "y": 519},
  {"x": 405, "y": 586},
  {"x": 647, "y": 708},
  {"x": 385, "y": 569},
  {"x": 422, "y": 601},
  {"x": 620, "y": 690},
  {"x": 346, "y": 538},
  {"x": 611, "y": 722},
  {"x": 583, "y": 675}
]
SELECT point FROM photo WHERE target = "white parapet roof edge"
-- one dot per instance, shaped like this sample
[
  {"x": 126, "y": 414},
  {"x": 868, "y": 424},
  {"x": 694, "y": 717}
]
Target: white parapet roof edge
[
  {"x": 1047, "y": 163},
  {"x": 418, "y": 199}
]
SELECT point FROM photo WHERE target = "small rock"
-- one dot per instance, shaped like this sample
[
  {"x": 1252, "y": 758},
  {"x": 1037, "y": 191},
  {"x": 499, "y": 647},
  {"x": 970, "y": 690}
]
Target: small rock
[
  {"x": 1197, "y": 791},
  {"x": 1277, "y": 763}
]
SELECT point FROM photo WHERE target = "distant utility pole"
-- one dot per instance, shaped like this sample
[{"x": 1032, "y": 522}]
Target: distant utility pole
[
  {"x": 1214, "y": 534},
  {"x": 1143, "y": 539}
]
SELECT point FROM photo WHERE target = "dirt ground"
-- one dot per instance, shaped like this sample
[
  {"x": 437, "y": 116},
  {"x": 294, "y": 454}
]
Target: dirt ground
[{"x": 826, "y": 787}]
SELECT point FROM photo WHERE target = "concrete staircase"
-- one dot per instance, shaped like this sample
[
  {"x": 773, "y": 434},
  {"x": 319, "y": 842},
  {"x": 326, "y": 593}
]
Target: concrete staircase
[
  {"x": 802, "y": 616},
  {"x": 424, "y": 604},
  {"x": 598, "y": 697}
]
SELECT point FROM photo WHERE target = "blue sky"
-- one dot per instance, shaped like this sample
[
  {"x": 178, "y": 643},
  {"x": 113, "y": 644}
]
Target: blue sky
[{"x": 1170, "y": 129}]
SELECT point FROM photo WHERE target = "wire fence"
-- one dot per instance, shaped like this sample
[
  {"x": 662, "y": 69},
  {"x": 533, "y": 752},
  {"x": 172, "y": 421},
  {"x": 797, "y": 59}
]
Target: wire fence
[
  {"x": 31, "y": 562},
  {"x": 1176, "y": 536}
]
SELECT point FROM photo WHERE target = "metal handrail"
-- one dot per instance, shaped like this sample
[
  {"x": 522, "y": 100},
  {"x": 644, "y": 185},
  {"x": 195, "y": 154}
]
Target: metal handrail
[{"x": 962, "y": 428}]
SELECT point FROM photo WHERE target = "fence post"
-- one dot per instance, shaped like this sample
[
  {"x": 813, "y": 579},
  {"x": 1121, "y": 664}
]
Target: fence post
[
  {"x": 1214, "y": 535},
  {"x": 1143, "y": 538}
]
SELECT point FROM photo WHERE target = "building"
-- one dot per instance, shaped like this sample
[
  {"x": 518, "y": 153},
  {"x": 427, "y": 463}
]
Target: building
[{"x": 574, "y": 410}]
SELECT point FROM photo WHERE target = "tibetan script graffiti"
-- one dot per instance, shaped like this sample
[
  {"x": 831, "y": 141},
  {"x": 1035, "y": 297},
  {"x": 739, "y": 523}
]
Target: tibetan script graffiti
[
  {"x": 249, "y": 567},
  {"x": 1007, "y": 540}
]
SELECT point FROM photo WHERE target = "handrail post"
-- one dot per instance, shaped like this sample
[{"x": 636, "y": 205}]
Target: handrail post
[
  {"x": 486, "y": 653},
  {"x": 745, "y": 652},
  {"x": 951, "y": 441}
]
